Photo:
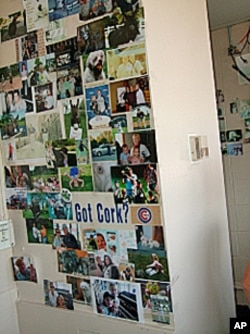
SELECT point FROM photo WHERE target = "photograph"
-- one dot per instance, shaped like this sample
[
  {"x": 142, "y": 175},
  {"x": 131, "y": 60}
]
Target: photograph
[
  {"x": 127, "y": 272},
  {"x": 45, "y": 97},
  {"x": 59, "y": 207},
  {"x": 157, "y": 289},
  {"x": 65, "y": 236},
  {"x": 233, "y": 108},
  {"x": 41, "y": 70},
  {"x": 18, "y": 177},
  {"x": 77, "y": 178},
  {"x": 73, "y": 261},
  {"x": 14, "y": 26},
  {"x": 24, "y": 269},
  {"x": 135, "y": 148},
  {"x": 234, "y": 149},
  {"x": 55, "y": 32},
  {"x": 40, "y": 231},
  {"x": 16, "y": 198},
  {"x": 90, "y": 37},
  {"x": 149, "y": 264},
  {"x": 149, "y": 237},
  {"x": 244, "y": 108},
  {"x": 74, "y": 117},
  {"x": 118, "y": 299},
  {"x": 58, "y": 294},
  {"x": 98, "y": 107},
  {"x": 119, "y": 124},
  {"x": 44, "y": 179},
  {"x": 142, "y": 117},
  {"x": 125, "y": 25},
  {"x": 36, "y": 14},
  {"x": 30, "y": 46},
  {"x": 82, "y": 151},
  {"x": 127, "y": 62},
  {"x": 60, "y": 153},
  {"x": 95, "y": 66},
  {"x": 126, "y": 95},
  {"x": 81, "y": 290},
  {"x": 37, "y": 206},
  {"x": 135, "y": 184},
  {"x": 102, "y": 145},
  {"x": 10, "y": 78},
  {"x": 89, "y": 239},
  {"x": 234, "y": 135},
  {"x": 90, "y": 9},
  {"x": 59, "y": 9},
  {"x": 160, "y": 309},
  {"x": 102, "y": 176}
]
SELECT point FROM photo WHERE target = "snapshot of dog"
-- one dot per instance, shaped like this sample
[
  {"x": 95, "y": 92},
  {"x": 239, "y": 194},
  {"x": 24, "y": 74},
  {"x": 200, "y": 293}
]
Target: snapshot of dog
[
  {"x": 58, "y": 294},
  {"x": 126, "y": 24},
  {"x": 14, "y": 26},
  {"x": 102, "y": 176},
  {"x": 149, "y": 237},
  {"x": 95, "y": 66},
  {"x": 81, "y": 290}
]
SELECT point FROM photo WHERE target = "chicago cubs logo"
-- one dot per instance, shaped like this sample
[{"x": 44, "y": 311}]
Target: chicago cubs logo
[{"x": 144, "y": 215}]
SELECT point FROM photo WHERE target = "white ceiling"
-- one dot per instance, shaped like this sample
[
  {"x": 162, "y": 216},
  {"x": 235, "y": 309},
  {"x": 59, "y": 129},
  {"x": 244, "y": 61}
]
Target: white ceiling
[{"x": 223, "y": 13}]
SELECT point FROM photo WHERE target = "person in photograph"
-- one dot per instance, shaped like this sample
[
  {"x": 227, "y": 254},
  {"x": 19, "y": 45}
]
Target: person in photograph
[
  {"x": 152, "y": 199},
  {"x": 22, "y": 178},
  {"x": 155, "y": 267},
  {"x": 144, "y": 152},
  {"x": 74, "y": 176},
  {"x": 233, "y": 108},
  {"x": 101, "y": 102},
  {"x": 19, "y": 102},
  {"x": 10, "y": 152},
  {"x": 24, "y": 72},
  {"x": 43, "y": 77},
  {"x": 137, "y": 66},
  {"x": 151, "y": 177},
  {"x": 124, "y": 155},
  {"x": 53, "y": 295},
  {"x": 92, "y": 242},
  {"x": 43, "y": 234},
  {"x": 69, "y": 240},
  {"x": 60, "y": 302},
  {"x": 75, "y": 132},
  {"x": 61, "y": 89},
  {"x": 107, "y": 303},
  {"x": 136, "y": 159},
  {"x": 49, "y": 100},
  {"x": 101, "y": 242},
  {"x": 139, "y": 95},
  {"x": 35, "y": 233},
  {"x": 140, "y": 196},
  {"x": 110, "y": 270},
  {"x": 10, "y": 106},
  {"x": 130, "y": 180},
  {"x": 126, "y": 275},
  {"x": 58, "y": 240},
  {"x": 125, "y": 69},
  {"x": 23, "y": 273},
  {"x": 84, "y": 9},
  {"x": 94, "y": 105},
  {"x": 140, "y": 118}
]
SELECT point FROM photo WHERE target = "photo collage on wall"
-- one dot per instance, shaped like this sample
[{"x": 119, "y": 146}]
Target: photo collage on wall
[
  {"x": 79, "y": 142},
  {"x": 233, "y": 140}
]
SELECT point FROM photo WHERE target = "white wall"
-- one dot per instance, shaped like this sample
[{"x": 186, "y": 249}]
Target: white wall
[
  {"x": 193, "y": 195},
  {"x": 194, "y": 198}
]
